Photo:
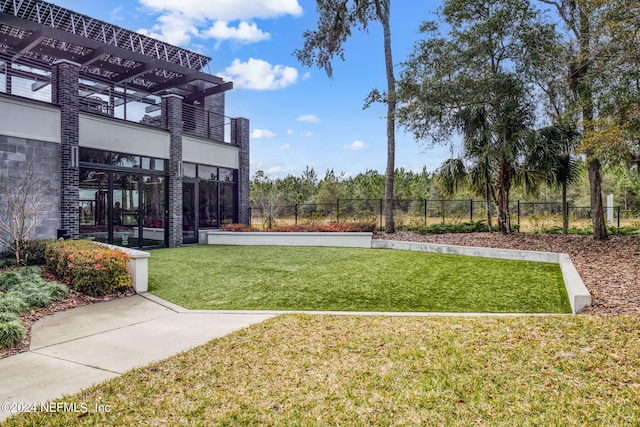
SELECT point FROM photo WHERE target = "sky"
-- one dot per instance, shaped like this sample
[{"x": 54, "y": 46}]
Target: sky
[{"x": 299, "y": 117}]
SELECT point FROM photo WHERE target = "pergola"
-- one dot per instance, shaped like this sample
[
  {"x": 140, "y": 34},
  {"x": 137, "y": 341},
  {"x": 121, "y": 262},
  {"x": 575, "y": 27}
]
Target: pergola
[{"x": 34, "y": 34}]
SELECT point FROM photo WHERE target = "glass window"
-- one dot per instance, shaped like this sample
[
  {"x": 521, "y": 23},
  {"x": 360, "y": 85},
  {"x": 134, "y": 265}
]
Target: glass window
[
  {"x": 207, "y": 172},
  {"x": 126, "y": 160},
  {"x": 208, "y": 212},
  {"x": 91, "y": 155},
  {"x": 189, "y": 170},
  {"x": 126, "y": 202},
  {"x": 228, "y": 203},
  {"x": 153, "y": 209},
  {"x": 153, "y": 164},
  {"x": 227, "y": 175},
  {"x": 93, "y": 207}
]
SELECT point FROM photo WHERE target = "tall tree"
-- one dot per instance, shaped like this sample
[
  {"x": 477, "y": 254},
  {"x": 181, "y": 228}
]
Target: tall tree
[
  {"x": 336, "y": 19},
  {"x": 582, "y": 19},
  {"x": 475, "y": 69}
]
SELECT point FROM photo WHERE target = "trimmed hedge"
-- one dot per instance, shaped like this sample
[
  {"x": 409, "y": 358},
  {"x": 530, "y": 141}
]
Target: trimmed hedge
[{"x": 89, "y": 268}]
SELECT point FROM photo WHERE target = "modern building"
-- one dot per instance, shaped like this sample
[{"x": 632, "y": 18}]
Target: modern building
[{"x": 127, "y": 135}]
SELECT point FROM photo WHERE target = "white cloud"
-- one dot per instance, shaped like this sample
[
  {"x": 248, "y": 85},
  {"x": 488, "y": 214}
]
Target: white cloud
[
  {"x": 227, "y": 10},
  {"x": 179, "y": 21},
  {"x": 263, "y": 133},
  {"x": 244, "y": 33},
  {"x": 309, "y": 118},
  {"x": 290, "y": 132},
  {"x": 285, "y": 147},
  {"x": 355, "y": 146},
  {"x": 259, "y": 75},
  {"x": 115, "y": 14}
]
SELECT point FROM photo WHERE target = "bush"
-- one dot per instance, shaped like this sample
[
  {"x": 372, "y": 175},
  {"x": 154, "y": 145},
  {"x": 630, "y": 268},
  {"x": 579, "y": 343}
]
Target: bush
[
  {"x": 239, "y": 228},
  {"x": 9, "y": 280},
  {"x": 462, "y": 227},
  {"x": 89, "y": 268},
  {"x": 32, "y": 252},
  {"x": 12, "y": 303},
  {"x": 11, "y": 333}
]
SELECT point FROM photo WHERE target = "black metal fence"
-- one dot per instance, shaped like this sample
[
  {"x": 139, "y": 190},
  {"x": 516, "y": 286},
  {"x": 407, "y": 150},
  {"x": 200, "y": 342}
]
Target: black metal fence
[{"x": 530, "y": 216}]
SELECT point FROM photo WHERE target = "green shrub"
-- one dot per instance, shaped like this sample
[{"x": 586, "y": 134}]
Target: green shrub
[
  {"x": 32, "y": 252},
  {"x": 12, "y": 303},
  {"x": 462, "y": 227},
  {"x": 8, "y": 317},
  {"x": 9, "y": 280},
  {"x": 11, "y": 333},
  {"x": 89, "y": 268},
  {"x": 623, "y": 231},
  {"x": 33, "y": 294}
]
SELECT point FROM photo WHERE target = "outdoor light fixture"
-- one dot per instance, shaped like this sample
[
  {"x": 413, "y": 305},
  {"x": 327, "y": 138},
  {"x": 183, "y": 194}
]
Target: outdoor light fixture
[{"x": 74, "y": 160}]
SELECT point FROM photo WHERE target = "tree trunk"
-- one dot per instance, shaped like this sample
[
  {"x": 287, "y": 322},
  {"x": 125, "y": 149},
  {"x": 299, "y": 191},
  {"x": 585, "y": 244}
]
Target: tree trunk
[
  {"x": 565, "y": 210},
  {"x": 389, "y": 226},
  {"x": 504, "y": 186},
  {"x": 597, "y": 210},
  {"x": 487, "y": 199}
]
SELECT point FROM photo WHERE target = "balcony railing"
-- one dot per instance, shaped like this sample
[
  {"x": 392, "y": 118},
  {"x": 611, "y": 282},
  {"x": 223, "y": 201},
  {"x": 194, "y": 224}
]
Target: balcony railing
[{"x": 206, "y": 124}]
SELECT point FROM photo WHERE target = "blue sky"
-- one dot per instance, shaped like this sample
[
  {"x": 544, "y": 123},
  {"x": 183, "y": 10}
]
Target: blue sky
[{"x": 299, "y": 117}]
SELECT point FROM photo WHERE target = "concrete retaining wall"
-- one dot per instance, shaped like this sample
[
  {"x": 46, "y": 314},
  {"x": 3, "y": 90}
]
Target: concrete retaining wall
[
  {"x": 579, "y": 296},
  {"x": 349, "y": 240}
]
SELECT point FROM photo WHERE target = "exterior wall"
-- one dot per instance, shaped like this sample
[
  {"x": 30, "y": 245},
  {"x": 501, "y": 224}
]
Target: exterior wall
[
  {"x": 16, "y": 154},
  {"x": 65, "y": 78},
  {"x": 172, "y": 118},
  {"x": 118, "y": 135},
  {"x": 17, "y": 118},
  {"x": 195, "y": 150},
  {"x": 240, "y": 135}
]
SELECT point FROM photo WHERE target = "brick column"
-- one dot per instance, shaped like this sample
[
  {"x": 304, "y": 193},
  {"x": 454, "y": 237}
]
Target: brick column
[
  {"x": 240, "y": 137},
  {"x": 65, "y": 77},
  {"x": 172, "y": 119}
]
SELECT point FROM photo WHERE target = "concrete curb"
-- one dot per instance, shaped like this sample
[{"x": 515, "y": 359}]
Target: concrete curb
[{"x": 579, "y": 296}]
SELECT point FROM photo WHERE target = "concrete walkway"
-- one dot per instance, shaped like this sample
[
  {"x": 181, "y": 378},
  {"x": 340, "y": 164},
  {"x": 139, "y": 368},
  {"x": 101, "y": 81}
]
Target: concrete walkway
[{"x": 74, "y": 349}]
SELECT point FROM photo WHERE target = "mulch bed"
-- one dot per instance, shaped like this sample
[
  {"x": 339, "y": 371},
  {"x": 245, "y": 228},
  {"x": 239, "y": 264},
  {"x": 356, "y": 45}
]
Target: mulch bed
[{"x": 610, "y": 269}]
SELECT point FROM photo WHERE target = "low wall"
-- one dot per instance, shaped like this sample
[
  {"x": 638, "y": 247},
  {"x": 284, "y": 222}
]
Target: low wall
[
  {"x": 579, "y": 296},
  {"x": 349, "y": 240}
]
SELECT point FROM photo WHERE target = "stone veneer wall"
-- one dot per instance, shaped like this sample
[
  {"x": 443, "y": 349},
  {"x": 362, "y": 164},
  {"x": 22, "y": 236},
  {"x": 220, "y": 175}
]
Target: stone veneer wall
[
  {"x": 15, "y": 156},
  {"x": 240, "y": 137}
]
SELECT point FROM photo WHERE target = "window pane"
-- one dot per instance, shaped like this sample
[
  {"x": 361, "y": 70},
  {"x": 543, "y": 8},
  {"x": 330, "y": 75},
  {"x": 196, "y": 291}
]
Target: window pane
[
  {"x": 227, "y": 175},
  {"x": 228, "y": 203},
  {"x": 153, "y": 198},
  {"x": 152, "y": 164},
  {"x": 94, "y": 189},
  {"x": 91, "y": 155},
  {"x": 207, "y": 172},
  {"x": 189, "y": 170},
  {"x": 208, "y": 204},
  {"x": 126, "y": 160},
  {"x": 126, "y": 199}
]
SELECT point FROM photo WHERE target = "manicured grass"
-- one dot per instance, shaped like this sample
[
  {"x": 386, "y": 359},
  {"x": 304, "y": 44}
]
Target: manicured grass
[
  {"x": 346, "y": 279},
  {"x": 352, "y": 371}
]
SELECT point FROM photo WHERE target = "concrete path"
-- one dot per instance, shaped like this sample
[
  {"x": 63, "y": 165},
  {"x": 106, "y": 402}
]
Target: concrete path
[{"x": 74, "y": 349}]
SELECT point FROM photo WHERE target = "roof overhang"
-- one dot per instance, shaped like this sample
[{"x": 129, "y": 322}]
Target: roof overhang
[{"x": 34, "y": 33}]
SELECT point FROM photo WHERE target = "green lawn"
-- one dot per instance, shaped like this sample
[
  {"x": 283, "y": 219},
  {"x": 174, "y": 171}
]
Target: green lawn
[
  {"x": 301, "y": 370},
  {"x": 346, "y": 279}
]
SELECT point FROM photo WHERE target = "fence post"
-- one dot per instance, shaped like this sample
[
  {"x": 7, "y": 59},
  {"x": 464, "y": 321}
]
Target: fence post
[
  {"x": 618, "y": 216},
  {"x": 471, "y": 209},
  {"x": 425, "y": 212},
  {"x": 296, "y": 213},
  {"x": 381, "y": 214},
  {"x": 337, "y": 210},
  {"x": 518, "y": 212},
  {"x": 442, "y": 205}
]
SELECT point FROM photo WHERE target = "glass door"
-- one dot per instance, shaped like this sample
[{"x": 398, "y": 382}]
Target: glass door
[{"x": 189, "y": 211}]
